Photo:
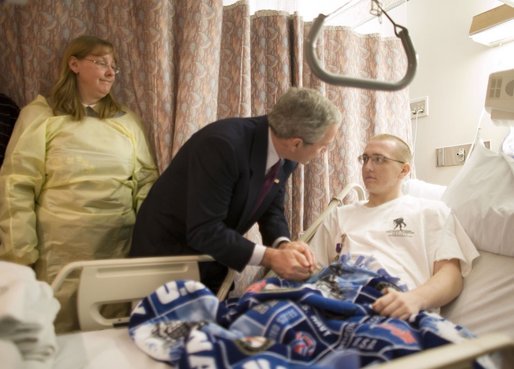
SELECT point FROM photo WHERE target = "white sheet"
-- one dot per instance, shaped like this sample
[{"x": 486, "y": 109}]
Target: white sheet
[
  {"x": 486, "y": 304},
  {"x": 105, "y": 349},
  {"x": 11, "y": 357},
  {"x": 27, "y": 310}
]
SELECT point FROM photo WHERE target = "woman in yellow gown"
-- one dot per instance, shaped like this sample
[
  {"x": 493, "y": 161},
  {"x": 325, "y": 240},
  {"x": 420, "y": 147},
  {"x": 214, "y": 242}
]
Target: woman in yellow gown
[{"x": 77, "y": 168}]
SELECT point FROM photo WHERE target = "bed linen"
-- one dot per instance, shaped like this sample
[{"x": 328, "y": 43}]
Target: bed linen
[
  {"x": 27, "y": 310},
  {"x": 103, "y": 349},
  {"x": 486, "y": 304},
  {"x": 324, "y": 323}
]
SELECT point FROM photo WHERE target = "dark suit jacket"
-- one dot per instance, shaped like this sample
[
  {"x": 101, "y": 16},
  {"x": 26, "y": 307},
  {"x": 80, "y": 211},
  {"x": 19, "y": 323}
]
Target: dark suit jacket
[
  {"x": 204, "y": 201},
  {"x": 9, "y": 112}
]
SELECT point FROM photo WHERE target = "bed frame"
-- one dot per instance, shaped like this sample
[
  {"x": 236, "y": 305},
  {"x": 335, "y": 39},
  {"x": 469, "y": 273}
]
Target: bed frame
[
  {"x": 119, "y": 280},
  {"x": 113, "y": 281}
]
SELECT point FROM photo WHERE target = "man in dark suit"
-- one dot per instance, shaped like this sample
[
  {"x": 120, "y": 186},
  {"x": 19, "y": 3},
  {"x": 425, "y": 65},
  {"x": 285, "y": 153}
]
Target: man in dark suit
[
  {"x": 212, "y": 192},
  {"x": 9, "y": 112}
]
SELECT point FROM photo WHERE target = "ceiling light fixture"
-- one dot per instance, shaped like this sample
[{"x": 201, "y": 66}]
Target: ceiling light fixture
[{"x": 493, "y": 27}]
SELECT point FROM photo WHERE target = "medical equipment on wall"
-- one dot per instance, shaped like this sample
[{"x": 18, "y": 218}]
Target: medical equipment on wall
[
  {"x": 499, "y": 102},
  {"x": 331, "y": 78}
]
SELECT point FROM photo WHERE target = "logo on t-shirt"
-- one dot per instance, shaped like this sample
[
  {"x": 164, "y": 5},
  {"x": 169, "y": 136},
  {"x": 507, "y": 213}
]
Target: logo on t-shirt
[
  {"x": 339, "y": 247},
  {"x": 400, "y": 229}
]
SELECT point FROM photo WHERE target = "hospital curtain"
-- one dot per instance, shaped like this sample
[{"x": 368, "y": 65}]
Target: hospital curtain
[{"x": 187, "y": 63}]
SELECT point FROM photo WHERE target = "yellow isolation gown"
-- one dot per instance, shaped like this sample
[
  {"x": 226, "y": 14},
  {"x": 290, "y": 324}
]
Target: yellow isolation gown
[{"x": 69, "y": 190}]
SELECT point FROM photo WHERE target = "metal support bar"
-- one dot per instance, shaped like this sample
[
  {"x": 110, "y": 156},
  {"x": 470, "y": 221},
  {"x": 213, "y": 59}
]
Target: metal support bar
[{"x": 365, "y": 83}]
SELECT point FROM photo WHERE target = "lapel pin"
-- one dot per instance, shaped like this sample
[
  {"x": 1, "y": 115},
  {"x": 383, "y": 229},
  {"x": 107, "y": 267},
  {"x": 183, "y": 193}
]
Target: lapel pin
[{"x": 276, "y": 181}]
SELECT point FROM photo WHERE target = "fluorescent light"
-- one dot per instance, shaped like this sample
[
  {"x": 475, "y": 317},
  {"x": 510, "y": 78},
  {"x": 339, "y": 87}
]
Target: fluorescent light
[{"x": 493, "y": 27}]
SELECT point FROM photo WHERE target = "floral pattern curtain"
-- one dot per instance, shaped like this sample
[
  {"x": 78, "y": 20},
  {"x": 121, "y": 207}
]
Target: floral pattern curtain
[{"x": 187, "y": 63}]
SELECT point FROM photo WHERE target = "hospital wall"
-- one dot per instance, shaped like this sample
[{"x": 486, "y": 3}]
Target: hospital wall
[{"x": 453, "y": 72}]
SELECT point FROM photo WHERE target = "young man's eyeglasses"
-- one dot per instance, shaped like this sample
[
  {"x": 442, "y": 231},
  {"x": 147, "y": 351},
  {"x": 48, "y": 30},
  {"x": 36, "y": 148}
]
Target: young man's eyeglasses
[
  {"x": 376, "y": 159},
  {"x": 104, "y": 65}
]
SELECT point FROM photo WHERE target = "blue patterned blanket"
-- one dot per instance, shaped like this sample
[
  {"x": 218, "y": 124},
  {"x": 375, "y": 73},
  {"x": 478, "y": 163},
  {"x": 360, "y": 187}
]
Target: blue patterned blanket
[{"x": 326, "y": 322}]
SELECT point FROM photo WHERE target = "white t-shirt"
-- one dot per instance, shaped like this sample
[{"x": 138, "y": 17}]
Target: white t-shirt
[{"x": 405, "y": 236}]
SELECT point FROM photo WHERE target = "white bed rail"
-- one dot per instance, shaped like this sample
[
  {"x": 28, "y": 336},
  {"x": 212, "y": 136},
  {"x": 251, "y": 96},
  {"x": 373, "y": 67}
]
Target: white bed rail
[{"x": 111, "y": 281}]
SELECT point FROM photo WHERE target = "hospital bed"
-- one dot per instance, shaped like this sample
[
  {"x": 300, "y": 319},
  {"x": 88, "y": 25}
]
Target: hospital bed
[{"x": 105, "y": 343}]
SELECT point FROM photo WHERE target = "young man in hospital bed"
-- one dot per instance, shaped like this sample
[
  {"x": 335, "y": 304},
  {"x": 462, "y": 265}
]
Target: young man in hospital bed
[
  {"x": 414, "y": 239},
  {"x": 351, "y": 307}
]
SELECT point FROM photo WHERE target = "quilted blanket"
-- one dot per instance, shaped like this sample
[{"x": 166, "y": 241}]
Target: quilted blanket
[{"x": 325, "y": 322}]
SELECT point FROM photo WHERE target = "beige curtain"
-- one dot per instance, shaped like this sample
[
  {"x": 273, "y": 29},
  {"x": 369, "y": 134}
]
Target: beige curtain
[{"x": 187, "y": 63}]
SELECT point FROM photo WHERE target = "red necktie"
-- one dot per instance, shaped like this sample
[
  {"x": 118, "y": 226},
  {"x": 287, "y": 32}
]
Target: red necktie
[{"x": 266, "y": 186}]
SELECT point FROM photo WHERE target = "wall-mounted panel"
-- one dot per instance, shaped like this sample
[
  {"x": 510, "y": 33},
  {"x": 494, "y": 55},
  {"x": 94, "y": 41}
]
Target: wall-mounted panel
[{"x": 454, "y": 155}]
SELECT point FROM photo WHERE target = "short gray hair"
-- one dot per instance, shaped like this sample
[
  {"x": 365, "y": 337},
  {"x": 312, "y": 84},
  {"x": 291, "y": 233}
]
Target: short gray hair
[{"x": 304, "y": 113}]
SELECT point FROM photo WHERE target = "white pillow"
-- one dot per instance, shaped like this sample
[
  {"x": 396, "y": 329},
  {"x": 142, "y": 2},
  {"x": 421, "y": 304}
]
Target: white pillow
[
  {"x": 418, "y": 188},
  {"x": 482, "y": 197}
]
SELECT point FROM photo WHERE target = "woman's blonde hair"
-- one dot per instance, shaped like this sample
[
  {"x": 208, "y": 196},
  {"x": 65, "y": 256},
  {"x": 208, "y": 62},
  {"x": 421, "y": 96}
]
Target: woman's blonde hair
[{"x": 64, "y": 97}]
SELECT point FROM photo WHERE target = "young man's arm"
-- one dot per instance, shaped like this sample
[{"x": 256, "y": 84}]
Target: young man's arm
[{"x": 444, "y": 285}]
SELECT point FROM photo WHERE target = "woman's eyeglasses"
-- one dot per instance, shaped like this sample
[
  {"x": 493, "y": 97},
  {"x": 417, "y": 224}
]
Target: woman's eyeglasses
[
  {"x": 104, "y": 65},
  {"x": 376, "y": 159}
]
